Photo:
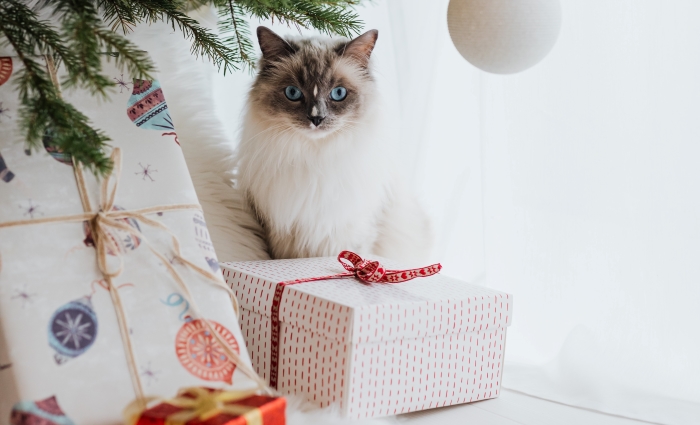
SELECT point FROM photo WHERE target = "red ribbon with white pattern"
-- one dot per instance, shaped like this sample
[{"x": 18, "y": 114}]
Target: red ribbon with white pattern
[{"x": 367, "y": 271}]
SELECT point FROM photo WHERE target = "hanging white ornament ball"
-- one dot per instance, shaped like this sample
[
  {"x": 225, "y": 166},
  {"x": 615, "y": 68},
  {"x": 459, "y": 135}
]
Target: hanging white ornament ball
[{"x": 504, "y": 36}]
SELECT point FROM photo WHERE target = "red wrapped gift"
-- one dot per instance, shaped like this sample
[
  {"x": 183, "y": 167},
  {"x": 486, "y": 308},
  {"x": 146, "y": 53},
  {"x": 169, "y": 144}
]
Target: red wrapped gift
[{"x": 205, "y": 406}]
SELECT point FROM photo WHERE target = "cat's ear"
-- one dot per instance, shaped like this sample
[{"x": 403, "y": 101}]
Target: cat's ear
[
  {"x": 360, "y": 48},
  {"x": 272, "y": 45}
]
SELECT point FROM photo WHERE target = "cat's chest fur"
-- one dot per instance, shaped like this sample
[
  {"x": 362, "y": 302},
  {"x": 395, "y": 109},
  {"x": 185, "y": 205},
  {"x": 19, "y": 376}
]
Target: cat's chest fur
[{"x": 316, "y": 197}]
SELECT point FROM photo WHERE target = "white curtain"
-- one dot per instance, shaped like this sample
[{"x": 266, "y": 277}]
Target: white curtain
[
  {"x": 574, "y": 186},
  {"x": 592, "y": 212}
]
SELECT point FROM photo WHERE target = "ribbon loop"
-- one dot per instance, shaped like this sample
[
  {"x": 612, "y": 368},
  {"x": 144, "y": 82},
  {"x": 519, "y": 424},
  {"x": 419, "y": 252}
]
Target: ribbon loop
[
  {"x": 365, "y": 270},
  {"x": 370, "y": 271}
]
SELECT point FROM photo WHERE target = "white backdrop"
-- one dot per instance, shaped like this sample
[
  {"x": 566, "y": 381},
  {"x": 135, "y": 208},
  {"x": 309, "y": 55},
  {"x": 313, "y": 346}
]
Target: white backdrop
[
  {"x": 591, "y": 201},
  {"x": 574, "y": 186}
]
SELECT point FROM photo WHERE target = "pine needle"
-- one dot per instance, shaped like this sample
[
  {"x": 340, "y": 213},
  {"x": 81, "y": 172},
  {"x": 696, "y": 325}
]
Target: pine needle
[{"x": 90, "y": 28}]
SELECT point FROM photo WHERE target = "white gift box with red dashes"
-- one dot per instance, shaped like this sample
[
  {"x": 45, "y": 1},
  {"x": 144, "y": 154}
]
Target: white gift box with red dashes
[{"x": 375, "y": 349}]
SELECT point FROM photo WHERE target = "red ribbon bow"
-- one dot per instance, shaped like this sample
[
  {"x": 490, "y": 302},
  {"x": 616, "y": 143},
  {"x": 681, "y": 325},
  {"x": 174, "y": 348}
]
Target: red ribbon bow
[
  {"x": 373, "y": 272},
  {"x": 367, "y": 271}
]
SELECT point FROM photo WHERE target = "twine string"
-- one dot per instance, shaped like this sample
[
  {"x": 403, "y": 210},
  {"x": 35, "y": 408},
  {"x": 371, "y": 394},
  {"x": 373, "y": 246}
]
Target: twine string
[
  {"x": 109, "y": 219},
  {"x": 106, "y": 220}
]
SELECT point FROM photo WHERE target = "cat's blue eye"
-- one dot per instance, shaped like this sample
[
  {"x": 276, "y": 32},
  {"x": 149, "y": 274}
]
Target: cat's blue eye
[
  {"x": 339, "y": 93},
  {"x": 292, "y": 93}
]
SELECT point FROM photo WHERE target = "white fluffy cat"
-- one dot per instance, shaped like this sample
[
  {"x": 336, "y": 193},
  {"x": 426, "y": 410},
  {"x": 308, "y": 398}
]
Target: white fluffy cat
[{"x": 314, "y": 162}]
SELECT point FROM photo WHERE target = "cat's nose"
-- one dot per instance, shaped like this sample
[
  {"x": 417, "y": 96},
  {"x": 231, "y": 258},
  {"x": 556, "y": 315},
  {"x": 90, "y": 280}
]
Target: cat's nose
[{"x": 316, "y": 120}]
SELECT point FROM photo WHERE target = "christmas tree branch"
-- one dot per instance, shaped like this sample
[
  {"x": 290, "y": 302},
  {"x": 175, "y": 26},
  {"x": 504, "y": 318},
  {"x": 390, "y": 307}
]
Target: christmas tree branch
[
  {"x": 16, "y": 18},
  {"x": 88, "y": 29},
  {"x": 128, "y": 56},
  {"x": 47, "y": 118},
  {"x": 236, "y": 31},
  {"x": 44, "y": 116},
  {"x": 330, "y": 17},
  {"x": 79, "y": 24},
  {"x": 204, "y": 43},
  {"x": 118, "y": 14}
]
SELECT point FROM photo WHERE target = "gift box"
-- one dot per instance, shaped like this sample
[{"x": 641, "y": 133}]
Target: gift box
[
  {"x": 103, "y": 282},
  {"x": 375, "y": 349},
  {"x": 206, "y": 406}
]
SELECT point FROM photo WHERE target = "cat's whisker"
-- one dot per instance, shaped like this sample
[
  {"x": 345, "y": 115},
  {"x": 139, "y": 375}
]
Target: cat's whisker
[
  {"x": 263, "y": 131},
  {"x": 265, "y": 148}
]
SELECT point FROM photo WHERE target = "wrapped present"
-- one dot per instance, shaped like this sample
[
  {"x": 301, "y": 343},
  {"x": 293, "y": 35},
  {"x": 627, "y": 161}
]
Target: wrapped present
[
  {"x": 206, "y": 406},
  {"x": 103, "y": 283},
  {"x": 375, "y": 341}
]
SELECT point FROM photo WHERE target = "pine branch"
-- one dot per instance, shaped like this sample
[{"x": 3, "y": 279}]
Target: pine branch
[
  {"x": 119, "y": 14},
  {"x": 330, "y": 19},
  {"x": 79, "y": 23},
  {"x": 83, "y": 38},
  {"x": 44, "y": 39},
  {"x": 236, "y": 31},
  {"x": 204, "y": 43},
  {"x": 129, "y": 57},
  {"x": 88, "y": 39},
  {"x": 42, "y": 110},
  {"x": 67, "y": 129},
  {"x": 188, "y": 5},
  {"x": 327, "y": 16}
]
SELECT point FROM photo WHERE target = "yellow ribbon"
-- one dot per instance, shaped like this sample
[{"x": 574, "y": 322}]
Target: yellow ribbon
[{"x": 199, "y": 403}]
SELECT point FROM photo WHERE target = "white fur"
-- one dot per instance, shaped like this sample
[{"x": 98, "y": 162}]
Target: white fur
[{"x": 321, "y": 195}]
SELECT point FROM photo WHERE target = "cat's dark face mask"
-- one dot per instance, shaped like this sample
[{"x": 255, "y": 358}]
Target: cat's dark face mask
[{"x": 311, "y": 85}]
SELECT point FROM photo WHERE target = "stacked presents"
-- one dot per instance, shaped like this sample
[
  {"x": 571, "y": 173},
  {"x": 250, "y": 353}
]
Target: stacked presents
[
  {"x": 113, "y": 307},
  {"x": 112, "y": 304}
]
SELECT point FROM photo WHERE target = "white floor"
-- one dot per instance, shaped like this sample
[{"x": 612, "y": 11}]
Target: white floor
[{"x": 513, "y": 408}]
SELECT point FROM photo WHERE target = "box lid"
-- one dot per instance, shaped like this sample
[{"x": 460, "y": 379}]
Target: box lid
[{"x": 349, "y": 310}]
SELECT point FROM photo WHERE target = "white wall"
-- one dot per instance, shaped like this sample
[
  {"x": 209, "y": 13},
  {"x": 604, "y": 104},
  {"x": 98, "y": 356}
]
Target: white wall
[
  {"x": 574, "y": 186},
  {"x": 592, "y": 205}
]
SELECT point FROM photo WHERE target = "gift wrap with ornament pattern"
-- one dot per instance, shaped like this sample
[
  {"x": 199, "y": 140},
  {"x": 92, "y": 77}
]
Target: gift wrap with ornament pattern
[
  {"x": 374, "y": 349},
  {"x": 62, "y": 358}
]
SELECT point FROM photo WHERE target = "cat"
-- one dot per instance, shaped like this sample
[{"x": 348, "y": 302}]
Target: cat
[{"x": 315, "y": 162}]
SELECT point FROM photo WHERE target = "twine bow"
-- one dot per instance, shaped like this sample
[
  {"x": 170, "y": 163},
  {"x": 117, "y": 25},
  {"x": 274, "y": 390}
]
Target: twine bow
[
  {"x": 201, "y": 404},
  {"x": 108, "y": 219}
]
